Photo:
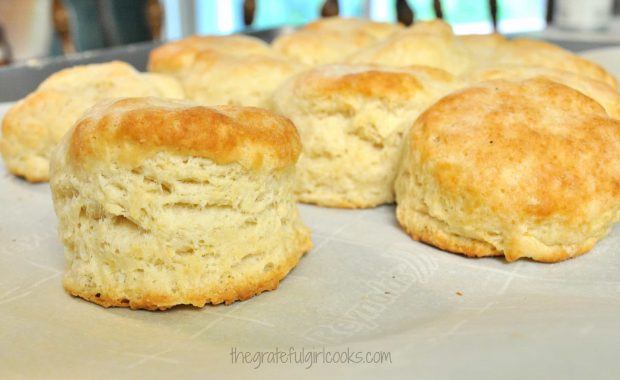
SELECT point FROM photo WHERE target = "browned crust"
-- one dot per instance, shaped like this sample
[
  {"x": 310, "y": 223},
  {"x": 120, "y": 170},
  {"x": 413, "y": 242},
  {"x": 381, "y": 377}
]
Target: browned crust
[
  {"x": 591, "y": 131},
  {"x": 476, "y": 249},
  {"x": 130, "y": 129},
  {"x": 372, "y": 83},
  {"x": 240, "y": 292},
  {"x": 445, "y": 240},
  {"x": 34, "y": 179}
]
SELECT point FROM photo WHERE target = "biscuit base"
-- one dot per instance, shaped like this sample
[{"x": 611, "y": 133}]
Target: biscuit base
[
  {"x": 199, "y": 298},
  {"x": 426, "y": 229}
]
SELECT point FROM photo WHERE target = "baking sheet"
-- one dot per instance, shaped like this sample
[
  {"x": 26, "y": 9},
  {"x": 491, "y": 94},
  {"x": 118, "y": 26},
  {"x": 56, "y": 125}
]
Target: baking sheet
[{"x": 365, "y": 287}]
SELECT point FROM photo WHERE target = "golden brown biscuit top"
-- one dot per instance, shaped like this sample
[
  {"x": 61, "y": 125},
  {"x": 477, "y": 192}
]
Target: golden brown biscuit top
[
  {"x": 129, "y": 130},
  {"x": 177, "y": 55},
  {"x": 384, "y": 83},
  {"x": 542, "y": 147}
]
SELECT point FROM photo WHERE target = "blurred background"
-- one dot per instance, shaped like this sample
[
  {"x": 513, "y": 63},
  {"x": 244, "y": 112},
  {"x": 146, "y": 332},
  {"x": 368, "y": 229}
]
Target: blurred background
[{"x": 41, "y": 28}]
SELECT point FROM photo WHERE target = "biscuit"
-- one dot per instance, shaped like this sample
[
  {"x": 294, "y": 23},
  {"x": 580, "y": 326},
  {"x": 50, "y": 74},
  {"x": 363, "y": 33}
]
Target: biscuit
[
  {"x": 351, "y": 120},
  {"x": 331, "y": 40},
  {"x": 599, "y": 91},
  {"x": 216, "y": 70},
  {"x": 162, "y": 203},
  {"x": 427, "y": 44},
  {"x": 217, "y": 78},
  {"x": 524, "y": 169},
  {"x": 174, "y": 57},
  {"x": 36, "y": 123}
]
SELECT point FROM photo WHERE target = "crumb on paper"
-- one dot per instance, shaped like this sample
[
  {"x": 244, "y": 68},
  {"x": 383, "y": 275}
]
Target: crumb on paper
[{"x": 459, "y": 293}]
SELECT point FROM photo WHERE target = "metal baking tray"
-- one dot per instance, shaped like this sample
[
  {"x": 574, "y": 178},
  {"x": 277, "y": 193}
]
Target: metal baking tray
[{"x": 18, "y": 80}]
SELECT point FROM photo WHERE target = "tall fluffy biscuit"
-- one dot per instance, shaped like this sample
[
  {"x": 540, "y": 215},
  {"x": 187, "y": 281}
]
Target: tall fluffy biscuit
[
  {"x": 164, "y": 203},
  {"x": 331, "y": 40},
  {"x": 351, "y": 120},
  {"x": 597, "y": 90},
  {"x": 428, "y": 44},
  {"x": 216, "y": 70},
  {"x": 519, "y": 169},
  {"x": 33, "y": 127}
]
